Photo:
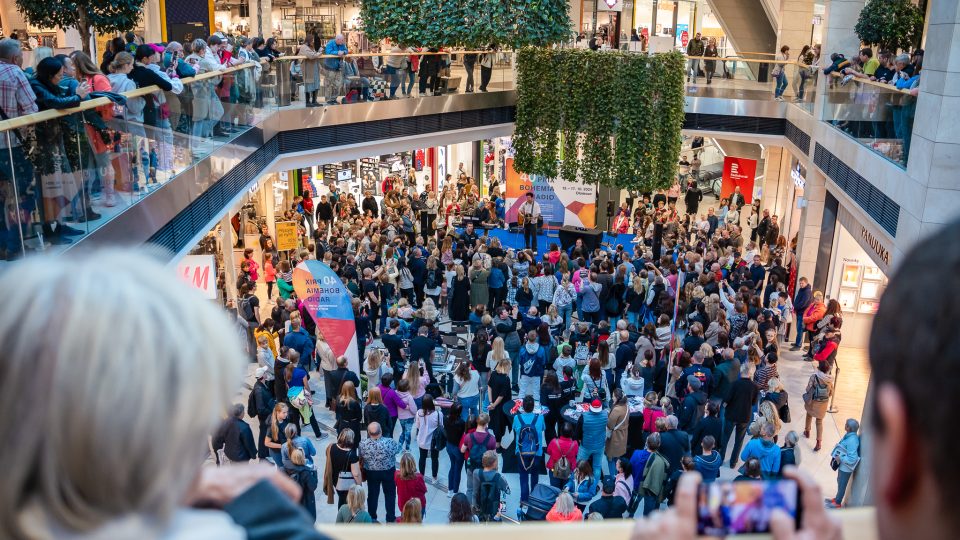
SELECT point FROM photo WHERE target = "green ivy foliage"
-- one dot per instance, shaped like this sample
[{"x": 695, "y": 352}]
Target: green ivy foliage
[
  {"x": 890, "y": 24},
  {"x": 467, "y": 23},
  {"x": 612, "y": 118}
]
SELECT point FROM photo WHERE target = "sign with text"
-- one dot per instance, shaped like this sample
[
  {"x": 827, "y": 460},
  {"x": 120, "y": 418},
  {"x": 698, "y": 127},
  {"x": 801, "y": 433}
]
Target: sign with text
[
  {"x": 738, "y": 172},
  {"x": 200, "y": 272},
  {"x": 561, "y": 202},
  {"x": 327, "y": 300},
  {"x": 286, "y": 235}
]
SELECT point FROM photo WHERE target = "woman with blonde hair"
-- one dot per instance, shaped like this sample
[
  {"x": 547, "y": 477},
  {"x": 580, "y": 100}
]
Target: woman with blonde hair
[
  {"x": 374, "y": 367},
  {"x": 412, "y": 512},
  {"x": 349, "y": 411},
  {"x": 276, "y": 436},
  {"x": 355, "y": 510},
  {"x": 410, "y": 483},
  {"x": 564, "y": 510}
]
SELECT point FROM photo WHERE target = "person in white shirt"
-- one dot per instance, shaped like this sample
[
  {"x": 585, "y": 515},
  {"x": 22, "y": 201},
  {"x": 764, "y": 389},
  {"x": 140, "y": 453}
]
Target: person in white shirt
[{"x": 530, "y": 210}]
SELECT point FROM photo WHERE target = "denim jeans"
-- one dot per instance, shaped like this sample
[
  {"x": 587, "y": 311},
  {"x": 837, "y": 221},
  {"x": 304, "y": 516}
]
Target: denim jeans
[
  {"x": 395, "y": 80},
  {"x": 800, "y": 331},
  {"x": 801, "y": 86},
  {"x": 649, "y": 504},
  {"x": 411, "y": 77},
  {"x": 693, "y": 68},
  {"x": 406, "y": 424},
  {"x": 566, "y": 312},
  {"x": 842, "y": 479},
  {"x": 596, "y": 458},
  {"x": 456, "y": 468},
  {"x": 781, "y": 84},
  {"x": 375, "y": 481},
  {"x": 471, "y": 405},
  {"x": 528, "y": 478}
]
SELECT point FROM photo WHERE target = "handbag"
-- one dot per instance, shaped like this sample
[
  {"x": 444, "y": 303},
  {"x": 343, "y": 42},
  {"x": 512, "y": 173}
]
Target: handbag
[
  {"x": 345, "y": 481},
  {"x": 834, "y": 463}
]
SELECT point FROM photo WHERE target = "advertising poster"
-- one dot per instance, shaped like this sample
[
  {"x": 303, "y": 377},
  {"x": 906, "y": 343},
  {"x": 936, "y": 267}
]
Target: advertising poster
[
  {"x": 286, "y": 235},
  {"x": 738, "y": 172},
  {"x": 561, "y": 202},
  {"x": 328, "y": 301}
]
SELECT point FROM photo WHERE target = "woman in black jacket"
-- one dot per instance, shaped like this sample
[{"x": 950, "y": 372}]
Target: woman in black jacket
[{"x": 56, "y": 163}]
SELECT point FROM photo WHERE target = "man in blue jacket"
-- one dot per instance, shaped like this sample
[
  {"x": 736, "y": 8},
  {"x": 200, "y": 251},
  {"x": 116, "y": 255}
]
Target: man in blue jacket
[
  {"x": 533, "y": 359},
  {"x": 299, "y": 340},
  {"x": 333, "y": 68},
  {"x": 593, "y": 434},
  {"x": 801, "y": 301},
  {"x": 764, "y": 449},
  {"x": 418, "y": 269}
]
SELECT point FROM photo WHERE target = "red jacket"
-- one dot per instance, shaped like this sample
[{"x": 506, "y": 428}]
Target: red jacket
[
  {"x": 408, "y": 489},
  {"x": 828, "y": 347},
  {"x": 562, "y": 446}
]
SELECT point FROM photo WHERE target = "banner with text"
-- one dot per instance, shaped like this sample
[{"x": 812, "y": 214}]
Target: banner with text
[
  {"x": 200, "y": 272},
  {"x": 328, "y": 302},
  {"x": 738, "y": 172},
  {"x": 561, "y": 202}
]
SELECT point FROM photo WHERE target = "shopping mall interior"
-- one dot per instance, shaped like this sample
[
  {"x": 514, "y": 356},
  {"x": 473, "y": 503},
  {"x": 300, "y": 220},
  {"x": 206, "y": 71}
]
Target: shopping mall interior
[{"x": 745, "y": 176}]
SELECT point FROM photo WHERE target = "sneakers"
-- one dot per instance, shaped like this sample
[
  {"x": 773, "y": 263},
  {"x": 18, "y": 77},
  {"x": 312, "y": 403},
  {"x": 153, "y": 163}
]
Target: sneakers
[
  {"x": 832, "y": 503},
  {"x": 778, "y": 98}
]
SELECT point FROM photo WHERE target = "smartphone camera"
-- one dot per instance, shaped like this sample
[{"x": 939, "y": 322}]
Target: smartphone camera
[{"x": 744, "y": 507}]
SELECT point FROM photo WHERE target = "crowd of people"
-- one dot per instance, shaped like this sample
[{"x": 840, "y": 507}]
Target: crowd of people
[
  {"x": 60, "y": 174},
  {"x": 682, "y": 330}
]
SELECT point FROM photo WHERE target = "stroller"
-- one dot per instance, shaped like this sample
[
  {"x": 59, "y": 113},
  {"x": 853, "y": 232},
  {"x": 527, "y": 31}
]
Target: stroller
[{"x": 541, "y": 500}]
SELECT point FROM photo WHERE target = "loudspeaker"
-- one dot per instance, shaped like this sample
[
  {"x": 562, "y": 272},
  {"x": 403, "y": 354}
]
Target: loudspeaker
[{"x": 569, "y": 234}]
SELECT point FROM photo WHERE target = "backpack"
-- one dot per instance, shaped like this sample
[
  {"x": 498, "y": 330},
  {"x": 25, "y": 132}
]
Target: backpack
[
  {"x": 488, "y": 496},
  {"x": 430, "y": 282},
  {"x": 528, "y": 443},
  {"x": 246, "y": 309},
  {"x": 438, "y": 441},
  {"x": 561, "y": 467},
  {"x": 477, "y": 448},
  {"x": 252, "y": 403},
  {"x": 820, "y": 393}
]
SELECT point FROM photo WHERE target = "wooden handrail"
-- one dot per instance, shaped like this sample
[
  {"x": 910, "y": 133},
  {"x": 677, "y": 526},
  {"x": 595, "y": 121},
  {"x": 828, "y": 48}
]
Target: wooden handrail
[
  {"x": 371, "y": 53},
  {"x": 868, "y": 82},
  {"x": 52, "y": 114}
]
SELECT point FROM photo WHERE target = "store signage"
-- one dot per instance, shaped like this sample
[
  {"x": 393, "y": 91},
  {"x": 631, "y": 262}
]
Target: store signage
[
  {"x": 798, "y": 178},
  {"x": 684, "y": 38},
  {"x": 328, "y": 301},
  {"x": 645, "y": 32},
  {"x": 200, "y": 272},
  {"x": 873, "y": 243},
  {"x": 610, "y": 5},
  {"x": 286, "y": 235},
  {"x": 738, "y": 172},
  {"x": 344, "y": 175}
]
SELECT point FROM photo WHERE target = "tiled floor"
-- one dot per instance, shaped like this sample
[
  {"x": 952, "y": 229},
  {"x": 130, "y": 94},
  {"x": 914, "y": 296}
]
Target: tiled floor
[{"x": 794, "y": 374}]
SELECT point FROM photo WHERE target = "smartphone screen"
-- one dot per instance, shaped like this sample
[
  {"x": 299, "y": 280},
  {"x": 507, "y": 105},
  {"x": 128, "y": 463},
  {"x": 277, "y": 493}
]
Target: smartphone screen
[{"x": 744, "y": 507}]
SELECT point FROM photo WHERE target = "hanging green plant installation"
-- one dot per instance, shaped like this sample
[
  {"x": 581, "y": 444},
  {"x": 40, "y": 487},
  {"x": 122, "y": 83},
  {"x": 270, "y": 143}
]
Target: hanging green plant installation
[
  {"x": 612, "y": 118},
  {"x": 467, "y": 23}
]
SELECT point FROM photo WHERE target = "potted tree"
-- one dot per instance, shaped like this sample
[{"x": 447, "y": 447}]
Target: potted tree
[{"x": 890, "y": 24}]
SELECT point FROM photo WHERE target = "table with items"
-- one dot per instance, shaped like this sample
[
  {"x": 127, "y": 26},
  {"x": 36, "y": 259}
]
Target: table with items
[{"x": 572, "y": 413}]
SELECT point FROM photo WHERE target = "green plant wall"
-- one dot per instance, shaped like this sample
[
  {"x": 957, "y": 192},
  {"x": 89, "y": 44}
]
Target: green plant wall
[
  {"x": 612, "y": 118},
  {"x": 467, "y": 23}
]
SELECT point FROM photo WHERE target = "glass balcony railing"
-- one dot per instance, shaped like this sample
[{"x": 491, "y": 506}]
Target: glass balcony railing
[
  {"x": 65, "y": 173},
  {"x": 373, "y": 76},
  {"x": 751, "y": 78},
  {"x": 878, "y": 116}
]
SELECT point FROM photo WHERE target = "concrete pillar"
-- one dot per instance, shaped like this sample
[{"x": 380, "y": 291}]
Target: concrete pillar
[
  {"x": 796, "y": 19},
  {"x": 811, "y": 218},
  {"x": 261, "y": 18},
  {"x": 151, "y": 21},
  {"x": 840, "y": 16},
  {"x": 934, "y": 150},
  {"x": 226, "y": 248},
  {"x": 771, "y": 179},
  {"x": 270, "y": 203},
  {"x": 859, "y": 493}
]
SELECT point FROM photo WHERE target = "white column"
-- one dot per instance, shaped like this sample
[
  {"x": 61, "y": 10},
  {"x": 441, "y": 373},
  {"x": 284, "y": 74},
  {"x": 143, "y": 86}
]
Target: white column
[
  {"x": 815, "y": 193},
  {"x": 269, "y": 204},
  {"x": 934, "y": 150},
  {"x": 261, "y": 18},
  {"x": 226, "y": 249},
  {"x": 839, "y": 17},
  {"x": 151, "y": 21}
]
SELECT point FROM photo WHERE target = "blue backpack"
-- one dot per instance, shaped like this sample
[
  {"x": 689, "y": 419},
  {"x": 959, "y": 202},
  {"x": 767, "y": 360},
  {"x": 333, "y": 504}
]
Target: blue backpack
[{"x": 528, "y": 443}]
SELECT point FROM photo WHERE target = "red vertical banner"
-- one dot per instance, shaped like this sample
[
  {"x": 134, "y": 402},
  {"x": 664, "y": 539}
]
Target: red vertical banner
[
  {"x": 738, "y": 172},
  {"x": 432, "y": 162}
]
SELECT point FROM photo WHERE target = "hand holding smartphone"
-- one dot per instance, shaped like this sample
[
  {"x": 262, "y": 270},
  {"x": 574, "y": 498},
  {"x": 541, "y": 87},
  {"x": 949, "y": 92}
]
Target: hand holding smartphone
[{"x": 744, "y": 507}]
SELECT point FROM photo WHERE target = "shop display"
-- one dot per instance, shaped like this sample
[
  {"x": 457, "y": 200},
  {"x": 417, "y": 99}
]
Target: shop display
[
  {"x": 847, "y": 299},
  {"x": 870, "y": 290},
  {"x": 850, "y": 276},
  {"x": 868, "y": 306}
]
